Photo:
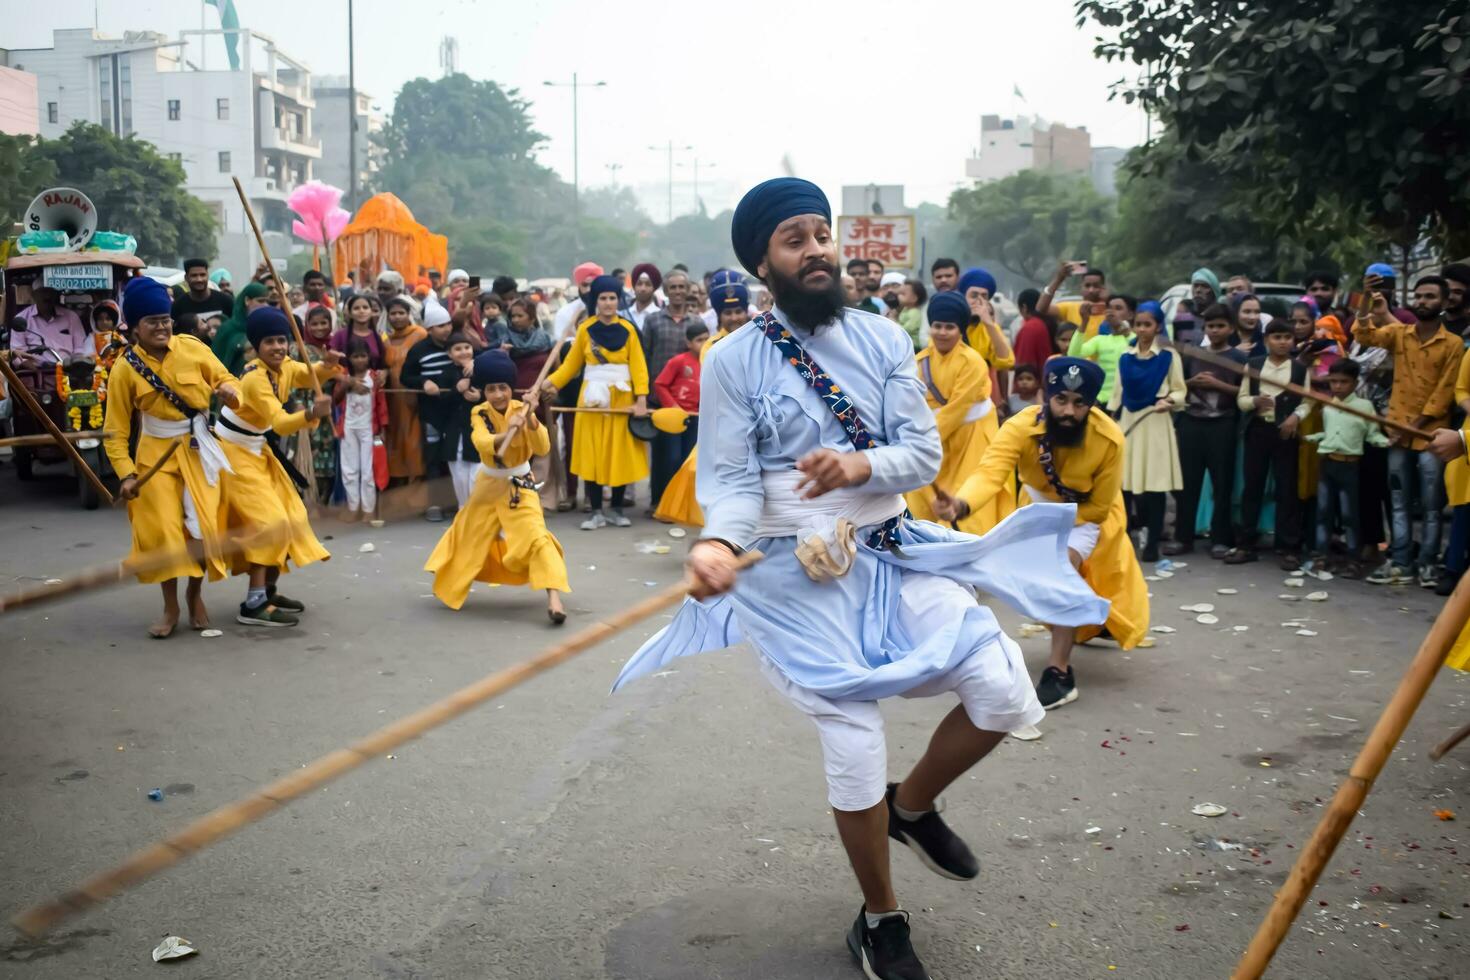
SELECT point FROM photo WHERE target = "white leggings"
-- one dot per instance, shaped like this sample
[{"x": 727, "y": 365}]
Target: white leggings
[
  {"x": 357, "y": 470},
  {"x": 463, "y": 473}
]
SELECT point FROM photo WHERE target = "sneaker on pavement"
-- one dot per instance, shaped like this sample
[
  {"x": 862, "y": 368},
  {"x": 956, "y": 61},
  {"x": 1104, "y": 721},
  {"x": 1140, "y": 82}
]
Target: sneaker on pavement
[
  {"x": 1446, "y": 583},
  {"x": 595, "y": 521},
  {"x": 941, "y": 849},
  {"x": 885, "y": 952},
  {"x": 434, "y": 515},
  {"x": 619, "y": 519},
  {"x": 1389, "y": 574},
  {"x": 285, "y": 603},
  {"x": 1218, "y": 551},
  {"x": 264, "y": 614},
  {"x": 1056, "y": 688},
  {"x": 1172, "y": 548},
  {"x": 1428, "y": 577}
]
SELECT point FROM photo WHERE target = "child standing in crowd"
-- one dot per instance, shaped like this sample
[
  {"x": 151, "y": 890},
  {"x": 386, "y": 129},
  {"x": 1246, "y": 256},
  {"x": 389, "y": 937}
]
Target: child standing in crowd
[
  {"x": 361, "y": 420},
  {"x": 500, "y": 534},
  {"x": 1340, "y": 450},
  {"x": 1113, "y": 338},
  {"x": 1271, "y": 448},
  {"x": 1066, "y": 333},
  {"x": 361, "y": 325},
  {"x": 678, "y": 386},
  {"x": 459, "y": 444},
  {"x": 428, "y": 368},
  {"x": 911, "y": 299},
  {"x": 1149, "y": 388},
  {"x": 1025, "y": 388},
  {"x": 1207, "y": 438}
]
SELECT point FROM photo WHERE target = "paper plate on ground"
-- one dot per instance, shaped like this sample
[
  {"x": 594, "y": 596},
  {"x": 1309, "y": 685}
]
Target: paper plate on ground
[
  {"x": 1199, "y": 607},
  {"x": 1209, "y": 810},
  {"x": 1208, "y": 619},
  {"x": 1317, "y": 596},
  {"x": 1228, "y": 591},
  {"x": 172, "y": 948}
]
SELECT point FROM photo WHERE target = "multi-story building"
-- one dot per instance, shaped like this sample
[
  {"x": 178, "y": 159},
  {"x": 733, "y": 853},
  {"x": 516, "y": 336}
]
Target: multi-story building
[
  {"x": 19, "y": 106},
  {"x": 1009, "y": 146},
  {"x": 250, "y": 117},
  {"x": 333, "y": 121}
]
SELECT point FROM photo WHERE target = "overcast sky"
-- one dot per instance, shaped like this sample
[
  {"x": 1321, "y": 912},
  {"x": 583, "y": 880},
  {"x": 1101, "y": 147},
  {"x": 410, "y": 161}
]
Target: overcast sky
[{"x": 852, "y": 98}]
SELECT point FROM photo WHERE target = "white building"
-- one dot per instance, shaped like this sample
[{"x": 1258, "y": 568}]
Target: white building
[
  {"x": 1009, "y": 146},
  {"x": 254, "y": 122},
  {"x": 332, "y": 121}
]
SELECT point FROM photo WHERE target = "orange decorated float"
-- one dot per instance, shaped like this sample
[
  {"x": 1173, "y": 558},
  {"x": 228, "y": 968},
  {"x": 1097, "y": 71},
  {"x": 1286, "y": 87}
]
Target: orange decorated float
[{"x": 384, "y": 235}]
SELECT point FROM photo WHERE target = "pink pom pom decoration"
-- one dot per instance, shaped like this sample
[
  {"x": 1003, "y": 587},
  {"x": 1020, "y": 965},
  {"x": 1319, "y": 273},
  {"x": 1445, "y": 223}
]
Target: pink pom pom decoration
[{"x": 316, "y": 204}]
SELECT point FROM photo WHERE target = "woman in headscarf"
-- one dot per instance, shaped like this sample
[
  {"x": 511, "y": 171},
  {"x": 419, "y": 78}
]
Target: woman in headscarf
[
  {"x": 230, "y": 341},
  {"x": 361, "y": 325},
  {"x": 405, "y": 432}
]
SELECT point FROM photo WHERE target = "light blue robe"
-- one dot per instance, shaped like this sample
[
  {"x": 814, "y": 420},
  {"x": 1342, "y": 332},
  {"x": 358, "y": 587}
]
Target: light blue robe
[{"x": 843, "y": 638}]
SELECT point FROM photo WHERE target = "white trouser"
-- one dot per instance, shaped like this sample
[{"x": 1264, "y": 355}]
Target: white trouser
[
  {"x": 1082, "y": 538},
  {"x": 463, "y": 473},
  {"x": 357, "y": 470},
  {"x": 991, "y": 682}
]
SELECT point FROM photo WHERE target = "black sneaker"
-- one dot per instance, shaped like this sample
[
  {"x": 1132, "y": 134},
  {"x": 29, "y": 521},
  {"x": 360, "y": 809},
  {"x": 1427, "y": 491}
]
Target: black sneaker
[
  {"x": 284, "y": 603},
  {"x": 1447, "y": 582},
  {"x": 941, "y": 849},
  {"x": 264, "y": 614},
  {"x": 885, "y": 953},
  {"x": 1056, "y": 688}
]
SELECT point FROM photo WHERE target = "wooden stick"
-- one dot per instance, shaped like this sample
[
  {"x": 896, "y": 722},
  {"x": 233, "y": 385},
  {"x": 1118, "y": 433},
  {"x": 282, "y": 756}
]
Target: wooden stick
[
  {"x": 1439, "y": 750},
  {"x": 609, "y": 411},
  {"x": 1210, "y": 357},
  {"x": 281, "y": 290},
  {"x": 29, "y": 401},
  {"x": 267, "y": 799},
  {"x": 41, "y": 439},
  {"x": 147, "y": 475},
  {"x": 1350, "y": 795}
]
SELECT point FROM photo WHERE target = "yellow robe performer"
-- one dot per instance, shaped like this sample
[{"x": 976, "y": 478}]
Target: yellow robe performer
[
  {"x": 678, "y": 503},
  {"x": 182, "y": 500},
  {"x": 1457, "y": 489},
  {"x": 1094, "y": 467},
  {"x": 958, "y": 390},
  {"x": 500, "y": 534},
  {"x": 604, "y": 451},
  {"x": 262, "y": 507}
]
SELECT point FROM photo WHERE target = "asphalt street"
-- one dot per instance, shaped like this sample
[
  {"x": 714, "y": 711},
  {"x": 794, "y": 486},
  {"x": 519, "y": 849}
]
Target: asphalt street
[{"x": 679, "y": 829}]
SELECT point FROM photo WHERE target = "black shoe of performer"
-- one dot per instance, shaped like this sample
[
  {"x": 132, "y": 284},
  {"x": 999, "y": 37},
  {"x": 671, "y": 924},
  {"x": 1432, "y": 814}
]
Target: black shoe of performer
[
  {"x": 885, "y": 952},
  {"x": 264, "y": 614},
  {"x": 941, "y": 849},
  {"x": 283, "y": 603},
  {"x": 1056, "y": 688}
]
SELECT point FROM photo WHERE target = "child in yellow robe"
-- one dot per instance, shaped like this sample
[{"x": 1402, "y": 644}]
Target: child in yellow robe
[
  {"x": 167, "y": 381},
  {"x": 500, "y": 534},
  {"x": 957, "y": 383},
  {"x": 609, "y": 357},
  {"x": 261, "y": 504}
]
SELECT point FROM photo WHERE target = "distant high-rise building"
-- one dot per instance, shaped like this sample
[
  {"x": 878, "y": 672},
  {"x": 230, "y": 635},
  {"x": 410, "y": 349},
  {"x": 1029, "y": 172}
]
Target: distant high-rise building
[
  {"x": 332, "y": 121},
  {"x": 1009, "y": 146}
]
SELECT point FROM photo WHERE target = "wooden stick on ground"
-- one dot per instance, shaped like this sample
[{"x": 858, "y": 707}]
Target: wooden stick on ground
[
  {"x": 27, "y": 399},
  {"x": 281, "y": 290},
  {"x": 41, "y": 439},
  {"x": 1350, "y": 795},
  {"x": 147, "y": 474},
  {"x": 269, "y": 798},
  {"x": 1215, "y": 360},
  {"x": 1439, "y": 750}
]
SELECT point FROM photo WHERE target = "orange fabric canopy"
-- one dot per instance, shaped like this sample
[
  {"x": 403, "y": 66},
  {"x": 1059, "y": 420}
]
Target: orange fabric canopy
[{"x": 384, "y": 235}]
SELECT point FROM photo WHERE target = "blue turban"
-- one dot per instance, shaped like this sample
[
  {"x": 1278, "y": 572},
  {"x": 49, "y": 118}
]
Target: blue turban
[
  {"x": 727, "y": 291},
  {"x": 1381, "y": 269},
  {"x": 600, "y": 285},
  {"x": 263, "y": 322},
  {"x": 493, "y": 367},
  {"x": 976, "y": 277},
  {"x": 142, "y": 297},
  {"x": 764, "y": 207},
  {"x": 1149, "y": 306},
  {"x": 1073, "y": 374},
  {"x": 949, "y": 307}
]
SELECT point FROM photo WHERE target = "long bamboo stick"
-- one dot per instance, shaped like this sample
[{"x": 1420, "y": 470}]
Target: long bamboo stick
[
  {"x": 1351, "y": 794},
  {"x": 41, "y": 439},
  {"x": 1439, "y": 750},
  {"x": 148, "y": 474},
  {"x": 281, "y": 290},
  {"x": 273, "y": 796},
  {"x": 29, "y": 401}
]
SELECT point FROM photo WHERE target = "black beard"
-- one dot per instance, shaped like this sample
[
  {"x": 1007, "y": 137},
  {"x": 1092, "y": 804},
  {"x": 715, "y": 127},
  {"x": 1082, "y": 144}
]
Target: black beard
[
  {"x": 808, "y": 308},
  {"x": 1424, "y": 316},
  {"x": 1064, "y": 433}
]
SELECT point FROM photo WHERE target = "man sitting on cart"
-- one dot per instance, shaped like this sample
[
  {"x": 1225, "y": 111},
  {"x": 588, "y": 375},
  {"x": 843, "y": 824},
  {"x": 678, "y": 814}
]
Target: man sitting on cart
[{"x": 48, "y": 324}]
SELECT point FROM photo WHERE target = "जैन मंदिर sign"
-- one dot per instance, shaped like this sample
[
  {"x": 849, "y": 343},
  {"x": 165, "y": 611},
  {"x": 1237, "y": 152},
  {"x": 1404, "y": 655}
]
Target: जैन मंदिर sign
[
  {"x": 885, "y": 237},
  {"x": 75, "y": 278}
]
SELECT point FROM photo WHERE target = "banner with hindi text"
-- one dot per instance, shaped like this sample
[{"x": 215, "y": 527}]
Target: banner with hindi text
[{"x": 888, "y": 238}]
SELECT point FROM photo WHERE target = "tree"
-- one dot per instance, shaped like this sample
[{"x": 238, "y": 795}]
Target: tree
[
  {"x": 137, "y": 191},
  {"x": 1029, "y": 219},
  {"x": 1359, "y": 109},
  {"x": 24, "y": 173}
]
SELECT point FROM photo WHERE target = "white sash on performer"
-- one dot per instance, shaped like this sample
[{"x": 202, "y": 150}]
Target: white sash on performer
[
  {"x": 211, "y": 456},
  {"x": 506, "y": 474},
  {"x": 598, "y": 380},
  {"x": 253, "y": 441},
  {"x": 979, "y": 410},
  {"x": 784, "y": 513}
]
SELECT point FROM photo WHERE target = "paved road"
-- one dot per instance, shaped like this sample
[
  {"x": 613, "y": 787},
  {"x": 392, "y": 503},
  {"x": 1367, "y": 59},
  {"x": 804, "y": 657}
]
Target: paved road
[{"x": 679, "y": 830}]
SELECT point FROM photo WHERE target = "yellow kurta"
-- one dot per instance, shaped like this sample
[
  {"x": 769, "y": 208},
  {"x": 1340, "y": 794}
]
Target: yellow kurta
[
  {"x": 963, "y": 379},
  {"x": 491, "y": 541},
  {"x": 261, "y": 507},
  {"x": 1151, "y": 456},
  {"x": 1457, "y": 488},
  {"x": 157, "y": 517},
  {"x": 978, "y": 337},
  {"x": 603, "y": 449},
  {"x": 678, "y": 504},
  {"x": 1094, "y": 467}
]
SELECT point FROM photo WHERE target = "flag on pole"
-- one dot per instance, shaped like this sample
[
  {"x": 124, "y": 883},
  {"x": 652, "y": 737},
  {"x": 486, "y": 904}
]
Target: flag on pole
[
  {"x": 1017, "y": 89},
  {"x": 228, "y": 19}
]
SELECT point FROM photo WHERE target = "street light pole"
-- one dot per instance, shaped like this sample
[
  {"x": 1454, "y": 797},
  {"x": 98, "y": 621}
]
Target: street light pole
[
  {"x": 351, "y": 118},
  {"x": 574, "y": 85},
  {"x": 670, "y": 149}
]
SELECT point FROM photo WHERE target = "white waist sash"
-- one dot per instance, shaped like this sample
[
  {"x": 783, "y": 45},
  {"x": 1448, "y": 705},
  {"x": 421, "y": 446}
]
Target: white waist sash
[
  {"x": 254, "y": 441},
  {"x": 784, "y": 512},
  {"x": 506, "y": 474},
  {"x": 979, "y": 410},
  {"x": 598, "y": 380},
  {"x": 211, "y": 456}
]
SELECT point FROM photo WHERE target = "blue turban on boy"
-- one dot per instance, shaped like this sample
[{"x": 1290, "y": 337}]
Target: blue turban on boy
[
  {"x": 977, "y": 277},
  {"x": 493, "y": 367},
  {"x": 1073, "y": 374},
  {"x": 604, "y": 284},
  {"x": 764, "y": 207},
  {"x": 263, "y": 322},
  {"x": 949, "y": 307},
  {"x": 727, "y": 291},
  {"x": 144, "y": 296}
]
